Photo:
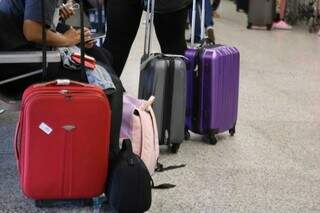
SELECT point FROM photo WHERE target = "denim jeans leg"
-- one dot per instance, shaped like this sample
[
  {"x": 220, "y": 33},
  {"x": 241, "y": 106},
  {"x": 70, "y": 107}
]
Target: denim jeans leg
[{"x": 208, "y": 14}]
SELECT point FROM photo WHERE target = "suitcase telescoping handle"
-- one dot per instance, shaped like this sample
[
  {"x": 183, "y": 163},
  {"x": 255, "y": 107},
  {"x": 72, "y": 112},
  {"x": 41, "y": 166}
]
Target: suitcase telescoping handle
[
  {"x": 44, "y": 42},
  {"x": 149, "y": 25},
  {"x": 193, "y": 20},
  {"x": 147, "y": 103}
]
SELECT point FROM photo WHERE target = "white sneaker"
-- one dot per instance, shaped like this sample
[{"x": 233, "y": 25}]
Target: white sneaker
[{"x": 281, "y": 25}]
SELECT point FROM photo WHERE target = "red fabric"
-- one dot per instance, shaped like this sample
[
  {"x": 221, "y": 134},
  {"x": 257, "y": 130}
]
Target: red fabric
[{"x": 89, "y": 62}]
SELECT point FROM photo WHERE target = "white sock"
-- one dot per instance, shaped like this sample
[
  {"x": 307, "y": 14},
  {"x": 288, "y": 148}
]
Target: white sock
[{"x": 210, "y": 27}]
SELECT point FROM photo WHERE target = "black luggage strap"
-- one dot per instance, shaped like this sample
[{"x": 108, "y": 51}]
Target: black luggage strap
[
  {"x": 161, "y": 168},
  {"x": 162, "y": 186}
]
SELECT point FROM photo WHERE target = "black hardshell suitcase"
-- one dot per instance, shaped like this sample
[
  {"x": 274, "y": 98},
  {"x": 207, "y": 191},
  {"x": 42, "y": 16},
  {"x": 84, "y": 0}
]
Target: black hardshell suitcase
[{"x": 164, "y": 76}]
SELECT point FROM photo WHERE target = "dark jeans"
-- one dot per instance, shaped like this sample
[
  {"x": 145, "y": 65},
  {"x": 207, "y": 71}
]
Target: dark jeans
[
  {"x": 116, "y": 99},
  {"x": 123, "y": 20}
]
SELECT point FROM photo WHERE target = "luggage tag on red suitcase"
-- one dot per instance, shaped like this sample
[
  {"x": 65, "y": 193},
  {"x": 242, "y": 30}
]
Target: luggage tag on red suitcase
[{"x": 45, "y": 128}]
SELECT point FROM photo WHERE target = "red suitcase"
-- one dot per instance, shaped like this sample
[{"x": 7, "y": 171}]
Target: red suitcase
[{"x": 62, "y": 141}]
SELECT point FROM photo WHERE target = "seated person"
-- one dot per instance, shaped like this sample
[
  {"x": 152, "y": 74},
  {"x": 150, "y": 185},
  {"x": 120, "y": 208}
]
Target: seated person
[
  {"x": 21, "y": 29},
  {"x": 21, "y": 24}
]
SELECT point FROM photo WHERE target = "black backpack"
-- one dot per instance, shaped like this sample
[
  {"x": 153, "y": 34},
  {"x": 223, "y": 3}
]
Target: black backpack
[{"x": 130, "y": 184}]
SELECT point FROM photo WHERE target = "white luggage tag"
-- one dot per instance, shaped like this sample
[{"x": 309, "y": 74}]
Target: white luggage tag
[{"x": 45, "y": 128}]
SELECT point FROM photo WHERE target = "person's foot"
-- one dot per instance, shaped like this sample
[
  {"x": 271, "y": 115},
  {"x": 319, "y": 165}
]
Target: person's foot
[
  {"x": 281, "y": 25},
  {"x": 215, "y": 14},
  {"x": 210, "y": 33}
]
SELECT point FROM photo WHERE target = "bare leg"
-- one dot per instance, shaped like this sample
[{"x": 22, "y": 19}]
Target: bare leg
[
  {"x": 281, "y": 24},
  {"x": 283, "y": 4}
]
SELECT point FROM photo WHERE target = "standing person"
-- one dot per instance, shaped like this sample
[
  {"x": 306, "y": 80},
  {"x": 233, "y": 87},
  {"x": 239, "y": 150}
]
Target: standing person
[
  {"x": 281, "y": 23},
  {"x": 123, "y": 20}
]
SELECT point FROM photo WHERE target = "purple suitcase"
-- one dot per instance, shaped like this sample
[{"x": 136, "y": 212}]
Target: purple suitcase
[
  {"x": 212, "y": 90},
  {"x": 213, "y": 85}
]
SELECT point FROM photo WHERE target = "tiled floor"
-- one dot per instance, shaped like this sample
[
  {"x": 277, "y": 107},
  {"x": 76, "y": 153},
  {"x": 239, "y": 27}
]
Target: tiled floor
[{"x": 273, "y": 162}]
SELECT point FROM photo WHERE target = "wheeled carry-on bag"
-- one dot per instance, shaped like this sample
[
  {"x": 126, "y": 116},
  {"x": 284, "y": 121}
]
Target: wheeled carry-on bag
[
  {"x": 261, "y": 13},
  {"x": 62, "y": 139},
  {"x": 213, "y": 85},
  {"x": 164, "y": 76}
]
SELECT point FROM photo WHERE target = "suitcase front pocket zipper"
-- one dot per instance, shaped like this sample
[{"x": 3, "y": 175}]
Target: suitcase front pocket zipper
[{"x": 66, "y": 186}]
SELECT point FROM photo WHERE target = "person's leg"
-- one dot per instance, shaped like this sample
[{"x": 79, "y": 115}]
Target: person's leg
[
  {"x": 207, "y": 17},
  {"x": 215, "y": 5},
  {"x": 209, "y": 20},
  {"x": 115, "y": 99},
  {"x": 123, "y": 20},
  {"x": 281, "y": 24},
  {"x": 282, "y": 9},
  {"x": 198, "y": 22},
  {"x": 170, "y": 30}
]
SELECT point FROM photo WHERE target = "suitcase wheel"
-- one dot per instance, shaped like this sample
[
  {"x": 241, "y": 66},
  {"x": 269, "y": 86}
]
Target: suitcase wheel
[
  {"x": 232, "y": 131},
  {"x": 212, "y": 138},
  {"x": 187, "y": 135},
  {"x": 175, "y": 148},
  {"x": 249, "y": 26},
  {"x": 269, "y": 27}
]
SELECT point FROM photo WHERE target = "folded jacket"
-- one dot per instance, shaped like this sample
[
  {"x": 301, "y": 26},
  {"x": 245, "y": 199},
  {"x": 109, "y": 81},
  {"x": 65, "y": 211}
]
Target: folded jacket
[{"x": 98, "y": 76}]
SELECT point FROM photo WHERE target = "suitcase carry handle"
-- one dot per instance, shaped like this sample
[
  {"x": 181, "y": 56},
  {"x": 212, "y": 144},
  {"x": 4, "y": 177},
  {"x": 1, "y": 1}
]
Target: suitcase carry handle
[
  {"x": 63, "y": 82},
  {"x": 145, "y": 61},
  {"x": 147, "y": 103}
]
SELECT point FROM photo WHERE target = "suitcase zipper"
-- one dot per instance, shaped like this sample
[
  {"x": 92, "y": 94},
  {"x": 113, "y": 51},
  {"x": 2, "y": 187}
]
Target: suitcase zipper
[
  {"x": 57, "y": 94},
  {"x": 64, "y": 92}
]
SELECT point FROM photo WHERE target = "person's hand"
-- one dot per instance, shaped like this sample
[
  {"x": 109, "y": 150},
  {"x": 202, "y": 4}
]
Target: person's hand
[
  {"x": 89, "y": 42},
  {"x": 66, "y": 11},
  {"x": 72, "y": 36}
]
